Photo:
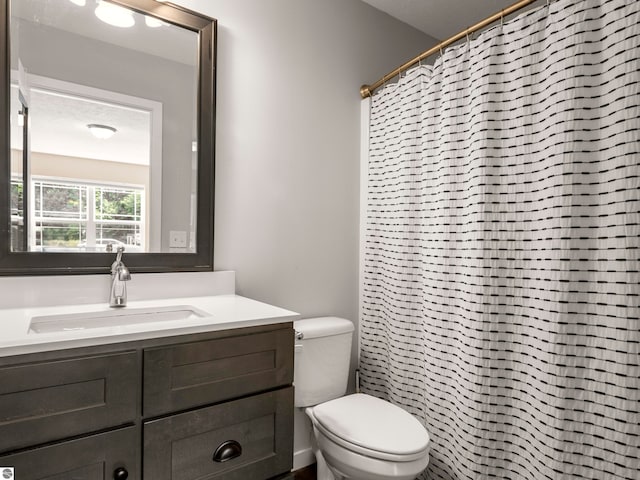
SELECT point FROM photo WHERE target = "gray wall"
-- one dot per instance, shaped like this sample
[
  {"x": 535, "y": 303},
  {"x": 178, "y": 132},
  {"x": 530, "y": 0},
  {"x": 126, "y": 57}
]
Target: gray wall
[{"x": 288, "y": 142}]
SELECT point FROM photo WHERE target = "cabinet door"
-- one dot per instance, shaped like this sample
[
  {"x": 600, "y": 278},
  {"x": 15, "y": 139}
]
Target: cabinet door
[
  {"x": 52, "y": 400},
  {"x": 97, "y": 457},
  {"x": 195, "y": 374},
  {"x": 250, "y": 438}
]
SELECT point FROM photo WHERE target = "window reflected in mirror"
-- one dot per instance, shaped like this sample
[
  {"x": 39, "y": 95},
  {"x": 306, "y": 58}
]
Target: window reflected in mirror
[{"x": 103, "y": 129}]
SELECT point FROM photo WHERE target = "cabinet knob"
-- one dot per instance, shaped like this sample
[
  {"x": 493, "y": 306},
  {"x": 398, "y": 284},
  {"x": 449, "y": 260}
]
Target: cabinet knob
[
  {"x": 120, "y": 473},
  {"x": 227, "y": 451}
]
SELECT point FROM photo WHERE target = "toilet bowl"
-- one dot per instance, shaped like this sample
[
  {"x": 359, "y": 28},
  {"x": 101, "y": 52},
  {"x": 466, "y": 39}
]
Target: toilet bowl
[
  {"x": 363, "y": 437},
  {"x": 358, "y": 437}
]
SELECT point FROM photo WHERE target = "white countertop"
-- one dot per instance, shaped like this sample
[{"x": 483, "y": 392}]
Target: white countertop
[{"x": 222, "y": 312}]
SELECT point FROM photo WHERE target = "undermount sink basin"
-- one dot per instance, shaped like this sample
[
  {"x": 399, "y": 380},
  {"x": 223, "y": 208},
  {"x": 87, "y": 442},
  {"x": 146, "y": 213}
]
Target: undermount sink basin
[{"x": 113, "y": 318}]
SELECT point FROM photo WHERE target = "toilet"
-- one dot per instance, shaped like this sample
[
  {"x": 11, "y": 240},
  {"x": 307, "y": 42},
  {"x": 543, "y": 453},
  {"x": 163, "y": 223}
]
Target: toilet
[{"x": 358, "y": 436}]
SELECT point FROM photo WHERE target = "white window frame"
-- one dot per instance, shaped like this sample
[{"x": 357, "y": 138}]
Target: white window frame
[{"x": 90, "y": 222}]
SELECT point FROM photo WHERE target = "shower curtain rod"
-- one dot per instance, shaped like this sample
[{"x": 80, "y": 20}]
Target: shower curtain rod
[{"x": 367, "y": 90}]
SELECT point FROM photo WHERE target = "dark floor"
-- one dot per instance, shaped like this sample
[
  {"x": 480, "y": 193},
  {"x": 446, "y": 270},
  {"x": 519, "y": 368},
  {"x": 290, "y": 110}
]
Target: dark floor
[{"x": 307, "y": 473}]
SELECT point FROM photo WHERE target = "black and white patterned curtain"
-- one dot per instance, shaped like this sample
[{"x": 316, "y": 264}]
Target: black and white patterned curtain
[{"x": 501, "y": 250}]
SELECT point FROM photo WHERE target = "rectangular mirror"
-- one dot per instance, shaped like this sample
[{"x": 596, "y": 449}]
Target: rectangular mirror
[{"x": 107, "y": 136}]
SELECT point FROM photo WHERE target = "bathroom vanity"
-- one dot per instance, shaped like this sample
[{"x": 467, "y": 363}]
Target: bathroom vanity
[{"x": 201, "y": 398}]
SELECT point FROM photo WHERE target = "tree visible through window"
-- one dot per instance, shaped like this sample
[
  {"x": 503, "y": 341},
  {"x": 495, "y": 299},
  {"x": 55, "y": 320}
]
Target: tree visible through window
[{"x": 82, "y": 216}]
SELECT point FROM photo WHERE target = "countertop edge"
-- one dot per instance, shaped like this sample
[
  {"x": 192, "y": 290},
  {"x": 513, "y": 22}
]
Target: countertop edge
[{"x": 225, "y": 312}]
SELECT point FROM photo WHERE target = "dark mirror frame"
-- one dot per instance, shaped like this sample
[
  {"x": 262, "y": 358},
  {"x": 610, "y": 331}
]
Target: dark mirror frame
[{"x": 42, "y": 263}]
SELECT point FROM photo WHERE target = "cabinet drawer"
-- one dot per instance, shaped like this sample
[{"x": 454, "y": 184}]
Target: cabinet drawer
[
  {"x": 190, "y": 375},
  {"x": 183, "y": 446},
  {"x": 45, "y": 401},
  {"x": 96, "y": 457}
]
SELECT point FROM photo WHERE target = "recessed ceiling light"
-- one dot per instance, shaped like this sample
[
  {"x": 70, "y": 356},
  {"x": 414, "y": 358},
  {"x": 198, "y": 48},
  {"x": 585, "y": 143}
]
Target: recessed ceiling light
[
  {"x": 101, "y": 131},
  {"x": 114, "y": 14}
]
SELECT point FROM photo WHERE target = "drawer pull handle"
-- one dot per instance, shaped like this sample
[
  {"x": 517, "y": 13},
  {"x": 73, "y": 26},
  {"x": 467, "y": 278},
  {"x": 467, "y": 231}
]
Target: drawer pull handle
[
  {"x": 227, "y": 451},
  {"x": 120, "y": 473}
]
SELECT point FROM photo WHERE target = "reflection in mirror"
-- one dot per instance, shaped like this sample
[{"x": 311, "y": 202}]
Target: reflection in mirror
[
  {"x": 87, "y": 190},
  {"x": 103, "y": 129},
  {"x": 106, "y": 136}
]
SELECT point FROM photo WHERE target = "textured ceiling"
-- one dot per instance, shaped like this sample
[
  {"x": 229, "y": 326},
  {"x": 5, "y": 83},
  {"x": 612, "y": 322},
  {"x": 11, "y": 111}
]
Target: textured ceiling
[
  {"x": 58, "y": 126},
  {"x": 440, "y": 19}
]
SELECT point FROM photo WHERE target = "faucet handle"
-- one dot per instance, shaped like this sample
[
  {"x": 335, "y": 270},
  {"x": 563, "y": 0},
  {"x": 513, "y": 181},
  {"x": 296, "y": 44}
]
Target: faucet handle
[
  {"x": 118, "y": 260},
  {"x": 119, "y": 251}
]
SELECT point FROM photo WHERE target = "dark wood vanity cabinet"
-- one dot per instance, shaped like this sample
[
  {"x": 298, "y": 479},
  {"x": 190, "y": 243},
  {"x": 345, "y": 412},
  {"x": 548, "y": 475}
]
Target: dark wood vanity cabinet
[
  {"x": 210, "y": 406},
  {"x": 241, "y": 439},
  {"x": 101, "y": 456}
]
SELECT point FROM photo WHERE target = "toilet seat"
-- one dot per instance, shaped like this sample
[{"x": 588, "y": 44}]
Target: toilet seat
[{"x": 372, "y": 427}]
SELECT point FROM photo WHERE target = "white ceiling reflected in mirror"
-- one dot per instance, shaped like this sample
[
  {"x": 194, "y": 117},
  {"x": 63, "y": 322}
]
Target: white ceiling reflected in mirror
[
  {"x": 103, "y": 128},
  {"x": 69, "y": 119}
]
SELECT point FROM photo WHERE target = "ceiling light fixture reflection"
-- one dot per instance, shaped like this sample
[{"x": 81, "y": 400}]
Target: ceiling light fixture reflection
[
  {"x": 153, "y": 22},
  {"x": 114, "y": 14},
  {"x": 80, "y": 3},
  {"x": 101, "y": 131}
]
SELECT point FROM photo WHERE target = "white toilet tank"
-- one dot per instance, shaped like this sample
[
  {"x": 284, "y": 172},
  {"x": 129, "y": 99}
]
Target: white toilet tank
[{"x": 322, "y": 356}]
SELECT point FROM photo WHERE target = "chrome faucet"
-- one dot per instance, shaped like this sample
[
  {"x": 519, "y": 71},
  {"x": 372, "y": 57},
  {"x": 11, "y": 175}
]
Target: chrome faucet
[{"x": 119, "y": 275}]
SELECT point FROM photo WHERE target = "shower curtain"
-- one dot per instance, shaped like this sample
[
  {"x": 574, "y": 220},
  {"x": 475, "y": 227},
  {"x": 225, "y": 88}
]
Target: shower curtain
[{"x": 500, "y": 275}]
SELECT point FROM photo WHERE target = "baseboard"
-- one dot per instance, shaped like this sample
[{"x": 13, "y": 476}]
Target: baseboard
[{"x": 303, "y": 458}]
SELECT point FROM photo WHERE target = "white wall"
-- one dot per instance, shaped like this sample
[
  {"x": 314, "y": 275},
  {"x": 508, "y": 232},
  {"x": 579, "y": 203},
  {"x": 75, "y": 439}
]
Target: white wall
[
  {"x": 288, "y": 136},
  {"x": 288, "y": 148}
]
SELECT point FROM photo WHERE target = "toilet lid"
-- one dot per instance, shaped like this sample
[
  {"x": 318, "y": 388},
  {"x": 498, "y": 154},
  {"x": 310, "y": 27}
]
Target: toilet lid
[{"x": 373, "y": 424}]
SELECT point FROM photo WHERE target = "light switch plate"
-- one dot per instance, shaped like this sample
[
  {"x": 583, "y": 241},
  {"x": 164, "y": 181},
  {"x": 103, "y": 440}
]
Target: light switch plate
[{"x": 177, "y": 239}]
